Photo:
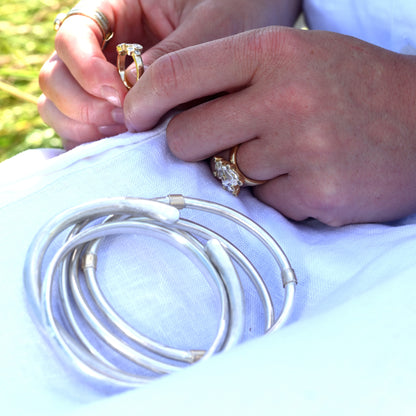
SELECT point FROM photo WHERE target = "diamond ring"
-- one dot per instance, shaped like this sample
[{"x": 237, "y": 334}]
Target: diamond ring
[
  {"x": 230, "y": 175},
  {"x": 135, "y": 51}
]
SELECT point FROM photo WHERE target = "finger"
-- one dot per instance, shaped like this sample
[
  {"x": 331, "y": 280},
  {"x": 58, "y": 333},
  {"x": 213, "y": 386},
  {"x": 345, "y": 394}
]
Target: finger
[
  {"x": 59, "y": 86},
  {"x": 234, "y": 119},
  {"x": 70, "y": 130},
  {"x": 209, "y": 128},
  {"x": 263, "y": 158},
  {"x": 282, "y": 194},
  {"x": 78, "y": 43},
  {"x": 190, "y": 30},
  {"x": 189, "y": 74}
]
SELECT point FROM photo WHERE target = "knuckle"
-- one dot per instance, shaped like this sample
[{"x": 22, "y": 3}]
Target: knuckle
[
  {"x": 302, "y": 99},
  {"x": 268, "y": 48},
  {"x": 76, "y": 133},
  {"x": 325, "y": 202},
  {"x": 41, "y": 105},
  {"x": 43, "y": 77},
  {"x": 43, "y": 113},
  {"x": 165, "y": 74},
  {"x": 326, "y": 196},
  {"x": 321, "y": 148},
  {"x": 46, "y": 73},
  {"x": 268, "y": 41},
  {"x": 167, "y": 46},
  {"x": 81, "y": 134},
  {"x": 84, "y": 114},
  {"x": 265, "y": 38},
  {"x": 60, "y": 40}
]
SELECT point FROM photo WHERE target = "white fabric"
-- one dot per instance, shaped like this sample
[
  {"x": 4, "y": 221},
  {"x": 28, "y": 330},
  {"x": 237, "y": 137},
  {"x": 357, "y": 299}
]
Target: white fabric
[
  {"x": 387, "y": 23},
  {"x": 349, "y": 347}
]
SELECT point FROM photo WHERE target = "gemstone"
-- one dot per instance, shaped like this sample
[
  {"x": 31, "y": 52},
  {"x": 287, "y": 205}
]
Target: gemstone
[
  {"x": 229, "y": 177},
  {"x": 129, "y": 49},
  {"x": 134, "y": 48}
]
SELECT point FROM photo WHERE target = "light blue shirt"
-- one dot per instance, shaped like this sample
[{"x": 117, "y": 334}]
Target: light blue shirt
[{"x": 387, "y": 23}]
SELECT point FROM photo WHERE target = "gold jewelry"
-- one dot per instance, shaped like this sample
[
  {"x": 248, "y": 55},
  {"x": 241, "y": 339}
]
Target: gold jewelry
[
  {"x": 230, "y": 175},
  {"x": 135, "y": 51},
  {"x": 96, "y": 15}
]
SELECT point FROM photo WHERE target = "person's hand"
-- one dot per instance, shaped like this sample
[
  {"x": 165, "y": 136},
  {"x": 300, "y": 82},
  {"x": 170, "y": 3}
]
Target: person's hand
[
  {"x": 327, "y": 120},
  {"x": 82, "y": 91}
]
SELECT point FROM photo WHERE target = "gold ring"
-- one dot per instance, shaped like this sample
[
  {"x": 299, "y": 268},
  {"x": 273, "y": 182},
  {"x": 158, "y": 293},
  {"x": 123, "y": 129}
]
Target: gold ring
[
  {"x": 230, "y": 175},
  {"x": 135, "y": 51},
  {"x": 96, "y": 15}
]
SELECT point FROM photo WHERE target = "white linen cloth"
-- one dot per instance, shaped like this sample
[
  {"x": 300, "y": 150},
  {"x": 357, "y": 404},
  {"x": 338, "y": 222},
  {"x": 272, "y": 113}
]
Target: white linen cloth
[
  {"x": 348, "y": 349},
  {"x": 386, "y": 23}
]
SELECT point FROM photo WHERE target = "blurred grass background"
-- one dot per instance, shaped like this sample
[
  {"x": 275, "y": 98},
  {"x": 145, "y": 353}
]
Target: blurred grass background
[{"x": 26, "y": 41}]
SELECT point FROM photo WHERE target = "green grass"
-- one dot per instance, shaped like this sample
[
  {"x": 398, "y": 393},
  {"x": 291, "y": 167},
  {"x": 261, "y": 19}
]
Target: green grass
[{"x": 26, "y": 40}]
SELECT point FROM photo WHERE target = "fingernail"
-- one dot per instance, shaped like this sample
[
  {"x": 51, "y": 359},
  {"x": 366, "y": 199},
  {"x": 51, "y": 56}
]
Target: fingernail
[
  {"x": 130, "y": 127},
  {"x": 131, "y": 78},
  {"x": 132, "y": 75},
  {"x": 111, "y": 95},
  {"x": 109, "y": 131},
  {"x": 118, "y": 115}
]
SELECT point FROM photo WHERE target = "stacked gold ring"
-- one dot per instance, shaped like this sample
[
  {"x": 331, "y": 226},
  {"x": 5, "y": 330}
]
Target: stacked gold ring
[{"x": 94, "y": 14}]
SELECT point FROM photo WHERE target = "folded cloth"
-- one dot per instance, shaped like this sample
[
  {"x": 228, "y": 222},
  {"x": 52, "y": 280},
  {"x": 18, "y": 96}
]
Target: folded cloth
[{"x": 350, "y": 340}]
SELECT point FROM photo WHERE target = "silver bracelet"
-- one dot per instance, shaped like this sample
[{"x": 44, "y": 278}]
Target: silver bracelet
[{"x": 161, "y": 218}]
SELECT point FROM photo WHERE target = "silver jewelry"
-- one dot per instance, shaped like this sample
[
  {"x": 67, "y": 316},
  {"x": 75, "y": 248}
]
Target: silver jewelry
[{"x": 160, "y": 218}]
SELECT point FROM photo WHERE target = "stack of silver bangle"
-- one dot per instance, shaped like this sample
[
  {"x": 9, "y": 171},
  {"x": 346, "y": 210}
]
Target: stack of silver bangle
[{"x": 88, "y": 225}]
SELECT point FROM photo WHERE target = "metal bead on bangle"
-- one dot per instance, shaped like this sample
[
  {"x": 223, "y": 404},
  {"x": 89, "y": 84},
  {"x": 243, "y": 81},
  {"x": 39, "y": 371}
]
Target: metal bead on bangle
[
  {"x": 58, "y": 315},
  {"x": 94, "y": 14}
]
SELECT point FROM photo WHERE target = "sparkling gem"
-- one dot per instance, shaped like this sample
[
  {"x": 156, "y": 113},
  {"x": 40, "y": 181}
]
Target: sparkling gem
[{"x": 226, "y": 173}]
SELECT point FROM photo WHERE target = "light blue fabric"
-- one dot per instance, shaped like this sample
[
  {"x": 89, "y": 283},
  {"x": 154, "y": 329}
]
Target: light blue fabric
[
  {"x": 350, "y": 343},
  {"x": 386, "y": 23}
]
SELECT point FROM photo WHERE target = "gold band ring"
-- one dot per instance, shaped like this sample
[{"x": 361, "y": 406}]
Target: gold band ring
[
  {"x": 96, "y": 15},
  {"x": 135, "y": 51},
  {"x": 230, "y": 175}
]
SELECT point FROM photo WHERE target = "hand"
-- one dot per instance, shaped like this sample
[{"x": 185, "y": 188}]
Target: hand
[
  {"x": 328, "y": 120},
  {"x": 83, "y": 94}
]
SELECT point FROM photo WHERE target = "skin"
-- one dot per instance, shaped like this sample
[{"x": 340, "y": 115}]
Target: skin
[
  {"x": 327, "y": 120},
  {"x": 82, "y": 92}
]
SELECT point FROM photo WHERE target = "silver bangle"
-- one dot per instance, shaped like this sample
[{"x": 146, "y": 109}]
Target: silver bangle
[{"x": 159, "y": 218}]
